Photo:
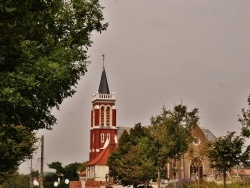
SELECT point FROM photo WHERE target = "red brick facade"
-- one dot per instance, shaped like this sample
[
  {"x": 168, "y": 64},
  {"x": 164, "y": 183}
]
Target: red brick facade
[
  {"x": 103, "y": 123},
  {"x": 194, "y": 163}
]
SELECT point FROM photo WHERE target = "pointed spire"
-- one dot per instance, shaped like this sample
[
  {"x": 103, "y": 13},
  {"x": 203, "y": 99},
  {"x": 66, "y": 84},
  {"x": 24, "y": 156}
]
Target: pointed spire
[{"x": 104, "y": 87}]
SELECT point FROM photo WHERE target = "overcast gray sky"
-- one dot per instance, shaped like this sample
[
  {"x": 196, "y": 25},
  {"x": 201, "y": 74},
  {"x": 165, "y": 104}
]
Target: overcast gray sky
[{"x": 159, "y": 53}]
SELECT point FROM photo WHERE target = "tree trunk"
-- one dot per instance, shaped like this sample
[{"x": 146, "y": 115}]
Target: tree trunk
[
  {"x": 224, "y": 178},
  {"x": 199, "y": 175},
  {"x": 159, "y": 177}
]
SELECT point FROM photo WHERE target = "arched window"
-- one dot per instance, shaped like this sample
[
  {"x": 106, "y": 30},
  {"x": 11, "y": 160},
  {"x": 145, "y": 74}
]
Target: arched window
[
  {"x": 102, "y": 138},
  {"x": 196, "y": 168},
  {"x": 102, "y": 115},
  {"x": 108, "y": 115},
  {"x": 108, "y": 136}
]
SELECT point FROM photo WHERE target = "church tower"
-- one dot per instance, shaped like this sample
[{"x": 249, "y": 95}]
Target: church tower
[{"x": 103, "y": 118}]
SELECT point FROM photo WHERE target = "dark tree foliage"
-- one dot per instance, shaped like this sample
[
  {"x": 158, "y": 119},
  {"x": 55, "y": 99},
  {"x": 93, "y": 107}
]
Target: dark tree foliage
[
  {"x": 17, "y": 180},
  {"x": 62, "y": 173},
  {"x": 227, "y": 152},
  {"x": 16, "y": 145},
  {"x": 69, "y": 171},
  {"x": 49, "y": 179},
  {"x": 171, "y": 131},
  {"x": 133, "y": 163},
  {"x": 137, "y": 166},
  {"x": 43, "y": 52},
  {"x": 143, "y": 152},
  {"x": 245, "y": 121},
  {"x": 57, "y": 166}
]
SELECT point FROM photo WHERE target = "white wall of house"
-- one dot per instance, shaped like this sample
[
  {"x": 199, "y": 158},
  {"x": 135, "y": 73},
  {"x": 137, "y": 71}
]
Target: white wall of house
[
  {"x": 97, "y": 172},
  {"x": 100, "y": 172}
]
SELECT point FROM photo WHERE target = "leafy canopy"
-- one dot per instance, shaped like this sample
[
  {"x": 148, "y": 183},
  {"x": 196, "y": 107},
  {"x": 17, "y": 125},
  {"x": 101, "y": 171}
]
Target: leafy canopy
[
  {"x": 17, "y": 180},
  {"x": 43, "y": 52},
  {"x": 16, "y": 144},
  {"x": 245, "y": 121},
  {"x": 132, "y": 163},
  {"x": 144, "y": 151},
  {"x": 171, "y": 131},
  {"x": 69, "y": 171},
  {"x": 227, "y": 152}
]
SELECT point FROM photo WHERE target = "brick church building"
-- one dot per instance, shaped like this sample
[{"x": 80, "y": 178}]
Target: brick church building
[{"x": 104, "y": 134}]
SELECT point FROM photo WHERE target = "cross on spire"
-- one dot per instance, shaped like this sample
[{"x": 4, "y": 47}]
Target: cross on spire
[
  {"x": 103, "y": 58},
  {"x": 103, "y": 87}
]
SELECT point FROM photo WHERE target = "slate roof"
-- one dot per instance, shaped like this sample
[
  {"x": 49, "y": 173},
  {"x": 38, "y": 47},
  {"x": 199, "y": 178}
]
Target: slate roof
[
  {"x": 210, "y": 136},
  {"x": 104, "y": 87}
]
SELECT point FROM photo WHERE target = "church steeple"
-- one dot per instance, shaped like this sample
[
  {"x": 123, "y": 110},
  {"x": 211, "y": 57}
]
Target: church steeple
[
  {"x": 104, "y": 87},
  {"x": 103, "y": 118}
]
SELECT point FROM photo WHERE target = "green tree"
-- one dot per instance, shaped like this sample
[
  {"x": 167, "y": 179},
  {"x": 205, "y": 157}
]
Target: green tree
[
  {"x": 43, "y": 54},
  {"x": 57, "y": 166},
  {"x": 137, "y": 166},
  {"x": 17, "y": 180},
  {"x": 69, "y": 171},
  {"x": 72, "y": 170},
  {"x": 16, "y": 145},
  {"x": 245, "y": 121},
  {"x": 49, "y": 179},
  {"x": 171, "y": 131},
  {"x": 133, "y": 163},
  {"x": 227, "y": 152}
]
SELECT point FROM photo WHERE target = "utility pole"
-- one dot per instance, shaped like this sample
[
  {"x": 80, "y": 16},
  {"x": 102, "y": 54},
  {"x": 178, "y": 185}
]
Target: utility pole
[
  {"x": 42, "y": 158},
  {"x": 31, "y": 173}
]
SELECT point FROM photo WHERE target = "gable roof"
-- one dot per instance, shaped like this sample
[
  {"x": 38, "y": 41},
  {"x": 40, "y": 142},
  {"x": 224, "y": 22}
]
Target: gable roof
[
  {"x": 102, "y": 158},
  {"x": 209, "y": 135},
  {"x": 104, "y": 87}
]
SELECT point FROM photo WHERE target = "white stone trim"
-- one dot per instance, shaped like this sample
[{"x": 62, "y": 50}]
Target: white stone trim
[{"x": 103, "y": 96}]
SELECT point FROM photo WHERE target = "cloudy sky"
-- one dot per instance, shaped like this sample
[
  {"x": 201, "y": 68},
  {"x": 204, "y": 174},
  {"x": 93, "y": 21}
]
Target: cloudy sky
[{"x": 163, "y": 52}]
